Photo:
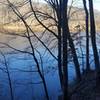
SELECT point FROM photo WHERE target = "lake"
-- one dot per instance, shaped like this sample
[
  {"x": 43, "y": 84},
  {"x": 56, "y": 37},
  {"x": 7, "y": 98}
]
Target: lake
[{"x": 26, "y": 85}]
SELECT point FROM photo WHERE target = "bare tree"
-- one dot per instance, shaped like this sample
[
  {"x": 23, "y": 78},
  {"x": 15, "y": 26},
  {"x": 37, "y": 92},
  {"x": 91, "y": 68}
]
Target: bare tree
[
  {"x": 87, "y": 35},
  {"x": 93, "y": 39},
  {"x": 27, "y": 35},
  {"x": 61, "y": 8}
]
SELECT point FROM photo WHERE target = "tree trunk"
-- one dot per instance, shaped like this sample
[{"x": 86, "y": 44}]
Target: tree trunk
[
  {"x": 60, "y": 56},
  {"x": 59, "y": 45},
  {"x": 65, "y": 45},
  {"x": 93, "y": 39},
  {"x": 37, "y": 64},
  {"x": 87, "y": 36},
  {"x": 75, "y": 58}
]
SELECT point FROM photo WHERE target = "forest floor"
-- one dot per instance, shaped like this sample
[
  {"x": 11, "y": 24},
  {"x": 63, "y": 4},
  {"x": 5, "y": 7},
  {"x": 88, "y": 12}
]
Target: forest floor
[{"x": 86, "y": 89}]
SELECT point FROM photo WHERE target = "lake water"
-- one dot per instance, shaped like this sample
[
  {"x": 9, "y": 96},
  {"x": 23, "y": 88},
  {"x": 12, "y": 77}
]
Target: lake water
[{"x": 25, "y": 83}]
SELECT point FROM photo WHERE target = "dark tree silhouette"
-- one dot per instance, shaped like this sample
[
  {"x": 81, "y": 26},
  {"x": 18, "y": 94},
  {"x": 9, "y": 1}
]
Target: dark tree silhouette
[
  {"x": 87, "y": 34},
  {"x": 64, "y": 5},
  {"x": 28, "y": 29},
  {"x": 93, "y": 39}
]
